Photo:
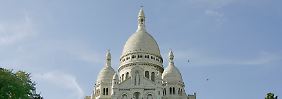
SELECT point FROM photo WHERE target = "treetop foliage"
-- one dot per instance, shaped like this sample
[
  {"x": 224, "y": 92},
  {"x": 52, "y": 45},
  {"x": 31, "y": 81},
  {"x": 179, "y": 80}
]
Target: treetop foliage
[
  {"x": 17, "y": 85},
  {"x": 270, "y": 96}
]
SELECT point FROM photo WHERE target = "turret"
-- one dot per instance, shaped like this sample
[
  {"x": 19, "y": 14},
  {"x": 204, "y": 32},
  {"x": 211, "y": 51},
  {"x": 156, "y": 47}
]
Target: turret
[
  {"x": 115, "y": 81},
  {"x": 173, "y": 83},
  {"x": 171, "y": 73},
  {"x": 104, "y": 79}
]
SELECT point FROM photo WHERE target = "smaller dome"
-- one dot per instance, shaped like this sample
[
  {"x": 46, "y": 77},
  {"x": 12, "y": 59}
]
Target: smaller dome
[
  {"x": 171, "y": 74},
  {"x": 107, "y": 73}
]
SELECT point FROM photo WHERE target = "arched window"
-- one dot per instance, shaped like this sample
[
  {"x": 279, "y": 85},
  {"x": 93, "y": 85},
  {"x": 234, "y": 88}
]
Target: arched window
[
  {"x": 136, "y": 95},
  {"x": 146, "y": 56},
  {"x": 170, "y": 90},
  {"x": 153, "y": 76},
  {"x": 179, "y": 91},
  {"x": 133, "y": 56},
  {"x": 127, "y": 58},
  {"x": 122, "y": 77},
  {"x": 107, "y": 91},
  {"x": 139, "y": 56},
  {"x": 147, "y": 74},
  {"x": 104, "y": 91},
  {"x": 173, "y": 90},
  {"x": 164, "y": 92},
  {"x": 127, "y": 75},
  {"x": 124, "y": 96},
  {"x": 157, "y": 59},
  {"x": 150, "y": 96}
]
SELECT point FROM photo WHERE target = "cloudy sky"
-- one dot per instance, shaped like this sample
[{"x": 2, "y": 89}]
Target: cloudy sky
[{"x": 236, "y": 44}]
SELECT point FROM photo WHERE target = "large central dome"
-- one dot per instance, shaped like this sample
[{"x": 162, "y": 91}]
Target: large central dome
[{"x": 141, "y": 40}]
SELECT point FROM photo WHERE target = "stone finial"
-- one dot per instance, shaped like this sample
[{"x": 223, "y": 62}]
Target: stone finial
[
  {"x": 170, "y": 56},
  {"x": 141, "y": 20},
  {"x": 108, "y": 58}
]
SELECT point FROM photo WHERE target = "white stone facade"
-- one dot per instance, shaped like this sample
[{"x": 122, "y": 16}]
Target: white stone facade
[{"x": 141, "y": 74}]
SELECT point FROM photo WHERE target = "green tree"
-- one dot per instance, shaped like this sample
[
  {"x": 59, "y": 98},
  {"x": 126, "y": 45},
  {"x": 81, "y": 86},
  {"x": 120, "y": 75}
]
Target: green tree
[
  {"x": 270, "y": 96},
  {"x": 17, "y": 85}
]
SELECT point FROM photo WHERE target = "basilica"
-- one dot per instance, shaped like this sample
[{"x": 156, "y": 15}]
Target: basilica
[{"x": 141, "y": 74}]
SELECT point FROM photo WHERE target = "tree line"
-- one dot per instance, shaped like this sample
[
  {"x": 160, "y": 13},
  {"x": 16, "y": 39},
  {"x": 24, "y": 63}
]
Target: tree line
[{"x": 17, "y": 85}]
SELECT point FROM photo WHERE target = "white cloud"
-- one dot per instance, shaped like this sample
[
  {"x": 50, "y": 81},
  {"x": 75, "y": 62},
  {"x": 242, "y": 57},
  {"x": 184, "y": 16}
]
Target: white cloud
[
  {"x": 90, "y": 57},
  {"x": 217, "y": 15},
  {"x": 214, "y": 13},
  {"x": 264, "y": 58},
  {"x": 213, "y": 4},
  {"x": 61, "y": 80},
  {"x": 86, "y": 54},
  {"x": 11, "y": 33}
]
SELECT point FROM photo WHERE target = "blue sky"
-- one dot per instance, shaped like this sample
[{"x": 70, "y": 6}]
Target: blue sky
[{"x": 236, "y": 44}]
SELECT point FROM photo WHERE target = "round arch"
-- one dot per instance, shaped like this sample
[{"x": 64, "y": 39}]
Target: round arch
[
  {"x": 136, "y": 95},
  {"x": 124, "y": 96},
  {"x": 149, "y": 95}
]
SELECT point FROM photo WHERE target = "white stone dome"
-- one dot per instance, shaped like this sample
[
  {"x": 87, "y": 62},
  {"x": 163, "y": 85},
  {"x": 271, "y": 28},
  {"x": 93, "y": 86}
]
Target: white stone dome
[
  {"x": 141, "y": 41},
  {"x": 171, "y": 73},
  {"x": 107, "y": 72}
]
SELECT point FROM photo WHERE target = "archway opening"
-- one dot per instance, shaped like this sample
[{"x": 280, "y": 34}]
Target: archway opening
[
  {"x": 124, "y": 96},
  {"x": 149, "y": 96},
  {"x": 136, "y": 95}
]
